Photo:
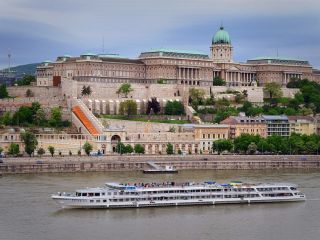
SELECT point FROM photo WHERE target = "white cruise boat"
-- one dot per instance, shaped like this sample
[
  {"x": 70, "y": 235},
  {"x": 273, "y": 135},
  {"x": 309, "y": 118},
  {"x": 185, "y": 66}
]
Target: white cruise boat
[{"x": 118, "y": 195}]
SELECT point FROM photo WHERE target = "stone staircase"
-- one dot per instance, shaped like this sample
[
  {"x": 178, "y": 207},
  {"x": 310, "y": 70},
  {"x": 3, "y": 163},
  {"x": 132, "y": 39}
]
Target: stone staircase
[{"x": 85, "y": 118}]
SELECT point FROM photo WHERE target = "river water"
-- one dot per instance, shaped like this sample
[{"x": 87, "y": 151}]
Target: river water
[{"x": 28, "y": 213}]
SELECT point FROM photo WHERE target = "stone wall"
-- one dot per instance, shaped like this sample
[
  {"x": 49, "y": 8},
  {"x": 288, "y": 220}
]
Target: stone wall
[
  {"x": 108, "y": 90},
  {"x": 140, "y": 127},
  {"x": 39, "y": 92},
  {"x": 118, "y": 163}
]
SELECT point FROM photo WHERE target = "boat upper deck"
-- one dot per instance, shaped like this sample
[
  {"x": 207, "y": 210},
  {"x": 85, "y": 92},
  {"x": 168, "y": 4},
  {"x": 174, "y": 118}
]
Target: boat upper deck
[
  {"x": 141, "y": 187},
  {"x": 191, "y": 185}
]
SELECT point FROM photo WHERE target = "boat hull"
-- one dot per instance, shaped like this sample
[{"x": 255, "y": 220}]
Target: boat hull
[
  {"x": 70, "y": 203},
  {"x": 160, "y": 171}
]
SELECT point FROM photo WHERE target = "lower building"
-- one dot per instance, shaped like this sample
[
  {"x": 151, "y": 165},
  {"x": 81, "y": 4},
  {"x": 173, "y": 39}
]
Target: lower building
[
  {"x": 302, "y": 125},
  {"x": 277, "y": 125},
  {"x": 246, "y": 125},
  {"x": 207, "y": 134}
]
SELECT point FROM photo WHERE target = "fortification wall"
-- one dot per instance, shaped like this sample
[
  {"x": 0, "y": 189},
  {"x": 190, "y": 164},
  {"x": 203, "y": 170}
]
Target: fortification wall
[{"x": 39, "y": 92}]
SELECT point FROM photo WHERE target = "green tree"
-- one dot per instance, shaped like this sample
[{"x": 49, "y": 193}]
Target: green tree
[
  {"x": 128, "y": 107},
  {"x": 196, "y": 97},
  {"x": 29, "y": 93},
  {"x": 86, "y": 91},
  {"x": 169, "y": 149},
  {"x": 120, "y": 148},
  {"x": 264, "y": 147},
  {"x": 3, "y": 91},
  {"x": 125, "y": 89},
  {"x": 252, "y": 148},
  {"x": 179, "y": 151},
  {"x": 218, "y": 81},
  {"x": 7, "y": 119},
  {"x": 35, "y": 106},
  {"x": 128, "y": 148},
  {"x": 222, "y": 145},
  {"x": 311, "y": 147},
  {"x": 13, "y": 149},
  {"x": 55, "y": 116},
  {"x": 26, "y": 80},
  {"x": 222, "y": 103},
  {"x": 174, "y": 108},
  {"x": 1, "y": 150},
  {"x": 297, "y": 143},
  {"x": 30, "y": 142},
  {"x": 305, "y": 111},
  {"x": 39, "y": 117},
  {"x": 87, "y": 147},
  {"x": 274, "y": 90},
  {"x": 41, "y": 151},
  {"x": 51, "y": 149},
  {"x": 277, "y": 143},
  {"x": 239, "y": 98},
  {"x": 138, "y": 148},
  {"x": 22, "y": 116},
  {"x": 225, "y": 113},
  {"x": 290, "y": 111},
  {"x": 242, "y": 142},
  {"x": 154, "y": 105}
]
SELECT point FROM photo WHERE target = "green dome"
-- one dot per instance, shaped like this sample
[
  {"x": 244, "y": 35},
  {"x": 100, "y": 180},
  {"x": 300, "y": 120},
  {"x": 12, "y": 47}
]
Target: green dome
[{"x": 221, "y": 37}]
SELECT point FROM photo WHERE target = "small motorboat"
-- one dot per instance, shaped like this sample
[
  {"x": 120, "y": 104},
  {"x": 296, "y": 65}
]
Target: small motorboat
[{"x": 166, "y": 169}]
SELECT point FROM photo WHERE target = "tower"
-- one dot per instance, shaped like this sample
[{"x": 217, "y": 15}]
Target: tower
[{"x": 221, "y": 48}]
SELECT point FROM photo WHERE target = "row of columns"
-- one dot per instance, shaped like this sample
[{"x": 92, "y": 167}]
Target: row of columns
[
  {"x": 239, "y": 78},
  {"x": 112, "y": 107},
  {"x": 216, "y": 74},
  {"x": 287, "y": 76},
  {"x": 188, "y": 73},
  {"x": 156, "y": 148}
]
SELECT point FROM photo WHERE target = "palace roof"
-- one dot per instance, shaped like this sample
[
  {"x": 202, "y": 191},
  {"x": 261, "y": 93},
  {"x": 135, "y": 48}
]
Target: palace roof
[
  {"x": 279, "y": 60},
  {"x": 169, "y": 52}
]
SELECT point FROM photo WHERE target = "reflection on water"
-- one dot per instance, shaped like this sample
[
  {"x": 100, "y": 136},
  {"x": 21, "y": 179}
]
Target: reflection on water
[{"x": 27, "y": 212}]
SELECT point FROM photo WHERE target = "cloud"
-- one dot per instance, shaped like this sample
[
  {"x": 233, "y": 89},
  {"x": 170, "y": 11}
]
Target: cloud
[{"x": 132, "y": 26}]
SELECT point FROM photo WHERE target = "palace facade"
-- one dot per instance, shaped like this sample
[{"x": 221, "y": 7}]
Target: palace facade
[{"x": 178, "y": 67}]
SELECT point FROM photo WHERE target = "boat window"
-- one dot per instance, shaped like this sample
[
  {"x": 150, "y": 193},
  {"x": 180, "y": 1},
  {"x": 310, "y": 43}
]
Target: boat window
[
  {"x": 97, "y": 194},
  {"x": 90, "y": 194},
  {"x": 84, "y": 194},
  {"x": 104, "y": 200}
]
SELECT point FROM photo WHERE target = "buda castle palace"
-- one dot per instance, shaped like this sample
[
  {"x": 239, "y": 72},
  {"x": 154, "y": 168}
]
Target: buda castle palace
[{"x": 178, "y": 67}]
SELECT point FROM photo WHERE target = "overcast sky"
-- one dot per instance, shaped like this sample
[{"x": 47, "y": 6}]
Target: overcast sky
[{"x": 38, "y": 30}]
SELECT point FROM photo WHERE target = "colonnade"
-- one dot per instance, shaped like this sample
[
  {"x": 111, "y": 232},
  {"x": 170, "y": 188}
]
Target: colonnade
[
  {"x": 188, "y": 73},
  {"x": 287, "y": 76},
  {"x": 240, "y": 78},
  {"x": 157, "y": 148},
  {"x": 112, "y": 106}
]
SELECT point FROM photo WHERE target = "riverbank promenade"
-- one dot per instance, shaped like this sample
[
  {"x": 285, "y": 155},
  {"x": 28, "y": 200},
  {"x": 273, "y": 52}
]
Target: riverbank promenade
[{"x": 139, "y": 162}]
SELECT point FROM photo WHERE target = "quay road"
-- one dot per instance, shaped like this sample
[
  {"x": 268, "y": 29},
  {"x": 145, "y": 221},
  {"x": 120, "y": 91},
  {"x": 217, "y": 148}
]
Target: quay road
[{"x": 139, "y": 162}]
